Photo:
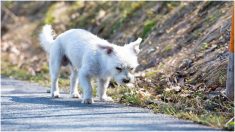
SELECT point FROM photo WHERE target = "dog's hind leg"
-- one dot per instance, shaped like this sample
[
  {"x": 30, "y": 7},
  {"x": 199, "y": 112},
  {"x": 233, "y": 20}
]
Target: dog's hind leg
[
  {"x": 54, "y": 64},
  {"x": 73, "y": 82}
]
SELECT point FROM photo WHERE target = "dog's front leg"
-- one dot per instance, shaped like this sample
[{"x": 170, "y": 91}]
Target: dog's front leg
[
  {"x": 85, "y": 83},
  {"x": 101, "y": 89}
]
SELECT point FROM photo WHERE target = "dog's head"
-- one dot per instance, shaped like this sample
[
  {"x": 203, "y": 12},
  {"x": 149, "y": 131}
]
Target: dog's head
[{"x": 122, "y": 61}]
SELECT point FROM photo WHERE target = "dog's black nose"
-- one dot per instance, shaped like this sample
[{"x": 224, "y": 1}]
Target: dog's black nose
[{"x": 126, "y": 80}]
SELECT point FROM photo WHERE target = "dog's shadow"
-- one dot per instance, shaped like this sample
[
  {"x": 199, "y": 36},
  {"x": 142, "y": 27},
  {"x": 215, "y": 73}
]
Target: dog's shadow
[{"x": 66, "y": 102}]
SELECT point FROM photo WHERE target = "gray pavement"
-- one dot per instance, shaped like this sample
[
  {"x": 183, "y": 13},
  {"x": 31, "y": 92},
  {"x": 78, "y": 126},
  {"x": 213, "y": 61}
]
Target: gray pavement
[{"x": 27, "y": 107}]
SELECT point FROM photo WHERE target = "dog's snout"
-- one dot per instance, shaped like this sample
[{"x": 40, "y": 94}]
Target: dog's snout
[{"x": 126, "y": 80}]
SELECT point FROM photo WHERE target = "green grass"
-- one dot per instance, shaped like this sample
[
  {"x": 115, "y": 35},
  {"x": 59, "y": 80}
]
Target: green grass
[
  {"x": 41, "y": 77},
  {"x": 125, "y": 95},
  {"x": 148, "y": 26},
  {"x": 229, "y": 125},
  {"x": 49, "y": 18},
  {"x": 117, "y": 25},
  {"x": 204, "y": 46},
  {"x": 131, "y": 97},
  {"x": 151, "y": 73},
  {"x": 22, "y": 74},
  {"x": 8, "y": 4},
  {"x": 168, "y": 48},
  {"x": 127, "y": 10},
  {"x": 75, "y": 6}
]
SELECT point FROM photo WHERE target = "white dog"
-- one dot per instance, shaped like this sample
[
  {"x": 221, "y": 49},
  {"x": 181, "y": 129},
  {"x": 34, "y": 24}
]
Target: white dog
[{"x": 89, "y": 57}]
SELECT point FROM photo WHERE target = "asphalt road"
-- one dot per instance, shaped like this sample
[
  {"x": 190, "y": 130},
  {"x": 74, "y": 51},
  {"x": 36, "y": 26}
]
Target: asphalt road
[{"x": 27, "y": 107}]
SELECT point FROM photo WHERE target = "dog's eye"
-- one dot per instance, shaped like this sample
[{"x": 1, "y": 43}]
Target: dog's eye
[
  {"x": 118, "y": 68},
  {"x": 130, "y": 68}
]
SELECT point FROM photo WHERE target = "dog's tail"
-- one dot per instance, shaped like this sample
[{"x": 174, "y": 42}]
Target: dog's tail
[{"x": 46, "y": 38}]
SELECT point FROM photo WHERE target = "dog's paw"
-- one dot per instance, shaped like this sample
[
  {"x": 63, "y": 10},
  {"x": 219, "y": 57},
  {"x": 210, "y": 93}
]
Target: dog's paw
[
  {"x": 75, "y": 95},
  {"x": 87, "y": 101},
  {"x": 55, "y": 94},
  {"x": 106, "y": 99}
]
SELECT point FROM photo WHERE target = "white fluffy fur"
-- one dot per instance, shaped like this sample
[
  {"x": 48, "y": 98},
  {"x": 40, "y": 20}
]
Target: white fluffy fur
[
  {"x": 46, "y": 38},
  {"x": 90, "y": 57}
]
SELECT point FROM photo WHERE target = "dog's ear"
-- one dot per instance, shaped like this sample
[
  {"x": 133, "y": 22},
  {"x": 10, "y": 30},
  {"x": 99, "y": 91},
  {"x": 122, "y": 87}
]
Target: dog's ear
[
  {"x": 134, "y": 46},
  {"x": 108, "y": 49}
]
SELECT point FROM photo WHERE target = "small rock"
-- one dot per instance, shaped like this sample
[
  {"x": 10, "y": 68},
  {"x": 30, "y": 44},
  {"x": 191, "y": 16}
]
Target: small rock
[
  {"x": 185, "y": 95},
  {"x": 155, "y": 101},
  {"x": 130, "y": 85},
  {"x": 151, "y": 50},
  {"x": 186, "y": 63},
  {"x": 167, "y": 89},
  {"x": 213, "y": 94},
  {"x": 101, "y": 14},
  {"x": 176, "y": 88},
  {"x": 15, "y": 51}
]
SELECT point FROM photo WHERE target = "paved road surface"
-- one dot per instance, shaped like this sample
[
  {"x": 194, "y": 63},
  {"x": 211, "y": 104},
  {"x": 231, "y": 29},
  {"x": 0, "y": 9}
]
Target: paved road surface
[{"x": 26, "y": 106}]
